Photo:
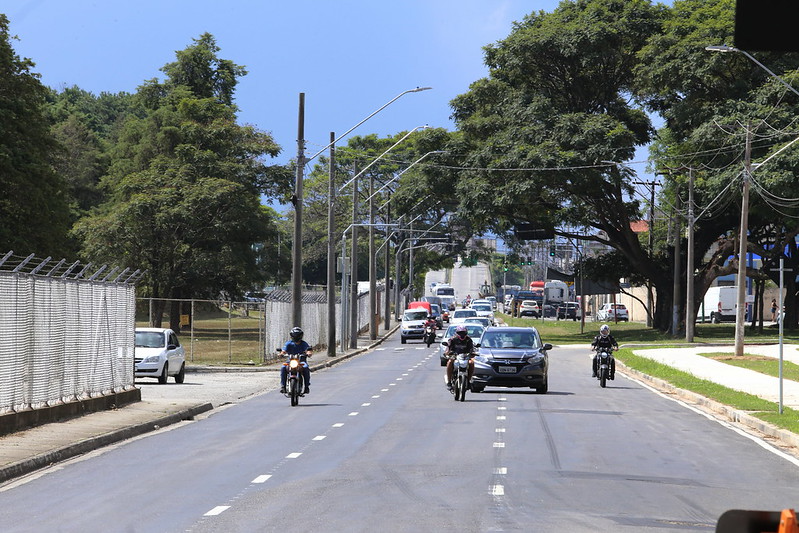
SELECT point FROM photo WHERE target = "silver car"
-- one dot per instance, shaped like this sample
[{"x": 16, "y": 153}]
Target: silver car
[{"x": 511, "y": 357}]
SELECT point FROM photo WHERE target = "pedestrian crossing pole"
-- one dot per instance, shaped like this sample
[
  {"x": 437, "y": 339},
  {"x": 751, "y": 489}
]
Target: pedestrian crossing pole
[{"x": 780, "y": 319}]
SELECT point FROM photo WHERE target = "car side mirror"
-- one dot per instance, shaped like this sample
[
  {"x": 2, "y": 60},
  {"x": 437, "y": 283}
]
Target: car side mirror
[
  {"x": 445, "y": 343},
  {"x": 477, "y": 345},
  {"x": 547, "y": 346},
  {"x": 172, "y": 347}
]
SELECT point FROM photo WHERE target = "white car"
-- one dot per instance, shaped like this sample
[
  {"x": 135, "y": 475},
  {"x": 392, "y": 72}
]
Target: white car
[
  {"x": 412, "y": 326},
  {"x": 484, "y": 310},
  {"x": 459, "y": 315},
  {"x": 529, "y": 308},
  {"x": 158, "y": 354},
  {"x": 612, "y": 312}
]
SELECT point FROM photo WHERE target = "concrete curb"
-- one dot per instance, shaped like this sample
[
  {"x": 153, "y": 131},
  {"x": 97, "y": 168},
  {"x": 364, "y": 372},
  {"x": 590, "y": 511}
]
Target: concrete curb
[
  {"x": 27, "y": 466},
  {"x": 788, "y": 438}
]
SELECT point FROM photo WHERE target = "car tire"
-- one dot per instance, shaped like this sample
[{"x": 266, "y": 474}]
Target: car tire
[
  {"x": 543, "y": 389},
  {"x": 403, "y": 340},
  {"x": 162, "y": 378},
  {"x": 180, "y": 377},
  {"x": 477, "y": 389}
]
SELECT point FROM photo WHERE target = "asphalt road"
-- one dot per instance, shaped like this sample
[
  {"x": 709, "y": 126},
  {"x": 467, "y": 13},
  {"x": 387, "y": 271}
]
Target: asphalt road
[{"x": 379, "y": 444}]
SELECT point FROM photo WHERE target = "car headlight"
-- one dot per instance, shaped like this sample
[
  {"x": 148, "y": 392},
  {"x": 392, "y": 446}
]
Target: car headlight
[
  {"x": 535, "y": 359},
  {"x": 152, "y": 358}
]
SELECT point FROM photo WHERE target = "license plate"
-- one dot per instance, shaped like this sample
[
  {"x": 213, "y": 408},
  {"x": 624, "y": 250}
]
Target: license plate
[{"x": 507, "y": 370}]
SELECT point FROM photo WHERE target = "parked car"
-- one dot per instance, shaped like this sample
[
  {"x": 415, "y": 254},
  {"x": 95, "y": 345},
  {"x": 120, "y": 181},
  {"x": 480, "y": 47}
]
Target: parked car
[
  {"x": 412, "y": 326},
  {"x": 458, "y": 315},
  {"x": 511, "y": 357},
  {"x": 569, "y": 310},
  {"x": 612, "y": 312},
  {"x": 158, "y": 354},
  {"x": 475, "y": 331},
  {"x": 529, "y": 308}
]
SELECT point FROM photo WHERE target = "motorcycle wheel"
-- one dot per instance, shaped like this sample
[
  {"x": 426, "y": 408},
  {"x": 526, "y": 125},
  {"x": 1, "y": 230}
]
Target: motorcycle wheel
[
  {"x": 603, "y": 376},
  {"x": 294, "y": 392},
  {"x": 462, "y": 386},
  {"x": 429, "y": 342},
  {"x": 456, "y": 388}
]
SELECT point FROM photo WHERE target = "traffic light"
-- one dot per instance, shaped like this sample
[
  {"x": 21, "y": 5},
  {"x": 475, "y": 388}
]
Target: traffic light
[{"x": 552, "y": 251}]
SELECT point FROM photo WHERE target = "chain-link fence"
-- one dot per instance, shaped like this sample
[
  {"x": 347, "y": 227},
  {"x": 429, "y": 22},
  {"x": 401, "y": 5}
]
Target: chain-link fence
[
  {"x": 218, "y": 332},
  {"x": 66, "y": 332}
]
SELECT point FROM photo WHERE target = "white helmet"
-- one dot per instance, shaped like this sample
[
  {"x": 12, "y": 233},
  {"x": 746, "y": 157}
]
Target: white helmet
[{"x": 604, "y": 330}]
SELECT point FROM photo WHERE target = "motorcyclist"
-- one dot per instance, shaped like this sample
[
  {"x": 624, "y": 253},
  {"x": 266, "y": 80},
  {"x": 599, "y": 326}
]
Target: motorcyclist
[
  {"x": 431, "y": 322},
  {"x": 296, "y": 346},
  {"x": 461, "y": 342},
  {"x": 604, "y": 341}
]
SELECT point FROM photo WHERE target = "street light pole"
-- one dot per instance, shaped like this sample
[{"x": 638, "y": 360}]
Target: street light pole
[
  {"x": 331, "y": 251},
  {"x": 740, "y": 312},
  {"x": 296, "y": 249},
  {"x": 689, "y": 281}
]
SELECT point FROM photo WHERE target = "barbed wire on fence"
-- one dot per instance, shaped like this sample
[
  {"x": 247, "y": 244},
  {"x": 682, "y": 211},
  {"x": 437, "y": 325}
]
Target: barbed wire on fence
[{"x": 64, "y": 269}]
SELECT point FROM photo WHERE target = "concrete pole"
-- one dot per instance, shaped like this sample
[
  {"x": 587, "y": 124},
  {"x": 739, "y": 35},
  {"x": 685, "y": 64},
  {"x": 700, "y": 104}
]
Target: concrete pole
[
  {"x": 296, "y": 249},
  {"x": 331, "y": 251},
  {"x": 387, "y": 270},
  {"x": 675, "y": 299},
  {"x": 740, "y": 312},
  {"x": 689, "y": 276},
  {"x": 353, "y": 300},
  {"x": 372, "y": 264}
]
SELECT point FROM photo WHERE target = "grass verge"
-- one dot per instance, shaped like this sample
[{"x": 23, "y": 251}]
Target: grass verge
[{"x": 757, "y": 407}]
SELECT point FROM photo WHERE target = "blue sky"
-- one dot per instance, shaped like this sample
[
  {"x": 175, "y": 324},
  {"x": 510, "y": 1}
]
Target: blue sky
[{"x": 349, "y": 57}]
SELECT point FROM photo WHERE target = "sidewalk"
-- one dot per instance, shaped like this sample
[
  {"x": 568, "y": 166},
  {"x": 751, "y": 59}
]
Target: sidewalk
[{"x": 27, "y": 451}]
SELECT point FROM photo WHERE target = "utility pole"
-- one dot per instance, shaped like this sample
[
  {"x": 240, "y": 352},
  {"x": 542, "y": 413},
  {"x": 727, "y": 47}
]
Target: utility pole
[
  {"x": 372, "y": 265},
  {"x": 296, "y": 250},
  {"x": 689, "y": 278},
  {"x": 354, "y": 266},
  {"x": 740, "y": 313},
  {"x": 675, "y": 299},
  {"x": 331, "y": 251},
  {"x": 649, "y": 296},
  {"x": 387, "y": 270}
]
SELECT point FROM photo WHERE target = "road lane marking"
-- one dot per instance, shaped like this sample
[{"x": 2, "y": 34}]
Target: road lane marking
[
  {"x": 367, "y": 404},
  {"x": 293, "y": 455},
  {"x": 500, "y": 430},
  {"x": 219, "y": 509},
  {"x": 376, "y": 396},
  {"x": 501, "y": 471},
  {"x": 497, "y": 490},
  {"x": 319, "y": 437},
  {"x": 354, "y": 413},
  {"x": 501, "y": 417},
  {"x": 502, "y": 408},
  {"x": 499, "y": 445},
  {"x": 383, "y": 390},
  {"x": 379, "y": 349},
  {"x": 261, "y": 479},
  {"x": 338, "y": 424}
]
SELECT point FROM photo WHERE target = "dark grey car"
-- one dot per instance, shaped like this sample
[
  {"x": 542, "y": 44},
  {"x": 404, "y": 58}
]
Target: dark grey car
[{"x": 511, "y": 357}]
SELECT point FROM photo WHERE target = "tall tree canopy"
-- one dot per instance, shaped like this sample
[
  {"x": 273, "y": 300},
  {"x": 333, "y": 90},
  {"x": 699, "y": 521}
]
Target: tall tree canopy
[
  {"x": 555, "y": 109},
  {"x": 184, "y": 186},
  {"x": 34, "y": 212}
]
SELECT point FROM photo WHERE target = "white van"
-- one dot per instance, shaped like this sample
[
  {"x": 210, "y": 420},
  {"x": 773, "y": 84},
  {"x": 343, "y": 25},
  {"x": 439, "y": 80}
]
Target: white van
[
  {"x": 447, "y": 295},
  {"x": 720, "y": 304},
  {"x": 556, "y": 292}
]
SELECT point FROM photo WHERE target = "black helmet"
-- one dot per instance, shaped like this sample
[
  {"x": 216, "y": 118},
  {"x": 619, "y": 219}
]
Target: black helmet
[{"x": 296, "y": 334}]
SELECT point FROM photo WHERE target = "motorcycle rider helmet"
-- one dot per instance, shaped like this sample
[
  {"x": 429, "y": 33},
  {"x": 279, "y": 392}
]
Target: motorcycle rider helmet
[
  {"x": 460, "y": 331},
  {"x": 296, "y": 334},
  {"x": 604, "y": 330}
]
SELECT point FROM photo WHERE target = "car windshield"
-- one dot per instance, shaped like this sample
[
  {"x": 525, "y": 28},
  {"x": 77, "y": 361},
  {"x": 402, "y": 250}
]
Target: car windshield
[
  {"x": 472, "y": 330},
  {"x": 436, "y": 309},
  {"x": 509, "y": 339},
  {"x": 415, "y": 315},
  {"x": 529, "y": 303},
  {"x": 478, "y": 320},
  {"x": 463, "y": 313},
  {"x": 149, "y": 339},
  {"x": 482, "y": 307}
]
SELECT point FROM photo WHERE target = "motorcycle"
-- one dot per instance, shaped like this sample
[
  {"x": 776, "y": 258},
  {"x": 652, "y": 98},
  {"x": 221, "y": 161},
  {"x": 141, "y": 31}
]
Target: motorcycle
[
  {"x": 429, "y": 335},
  {"x": 460, "y": 375},
  {"x": 604, "y": 364},
  {"x": 294, "y": 376}
]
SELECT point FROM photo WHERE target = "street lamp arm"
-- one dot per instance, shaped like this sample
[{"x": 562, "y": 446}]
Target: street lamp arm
[
  {"x": 724, "y": 49},
  {"x": 395, "y": 178},
  {"x": 403, "y": 93},
  {"x": 367, "y": 167}
]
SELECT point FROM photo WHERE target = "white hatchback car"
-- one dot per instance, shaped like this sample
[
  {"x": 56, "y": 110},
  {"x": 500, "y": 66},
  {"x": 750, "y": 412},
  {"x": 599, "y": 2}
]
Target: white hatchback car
[
  {"x": 612, "y": 312},
  {"x": 159, "y": 355}
]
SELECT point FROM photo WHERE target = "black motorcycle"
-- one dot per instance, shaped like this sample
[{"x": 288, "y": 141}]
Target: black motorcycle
[
  {"x": 604, "y": 364},
  {"x": 294, "y": 376},
  {"x": 429, "y": 335}
]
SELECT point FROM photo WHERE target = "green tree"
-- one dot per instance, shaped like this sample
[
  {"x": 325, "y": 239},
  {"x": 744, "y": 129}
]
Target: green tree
[
  {"x": 34, "y": 212},
  {"x": 556, "y": 107},
  {"x": 184, "y": 190}
]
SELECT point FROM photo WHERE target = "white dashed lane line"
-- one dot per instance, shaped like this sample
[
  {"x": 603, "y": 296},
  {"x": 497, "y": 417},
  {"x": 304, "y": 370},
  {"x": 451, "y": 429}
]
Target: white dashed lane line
[
  {"x": 293, "y": 455},
  {"x": 261, "y": 479},
  {"x": 219, "y": 509}
]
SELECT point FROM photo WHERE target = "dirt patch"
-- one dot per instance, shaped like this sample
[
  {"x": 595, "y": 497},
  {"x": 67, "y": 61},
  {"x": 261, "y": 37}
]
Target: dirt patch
[{"x": 731, "y": 357}]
